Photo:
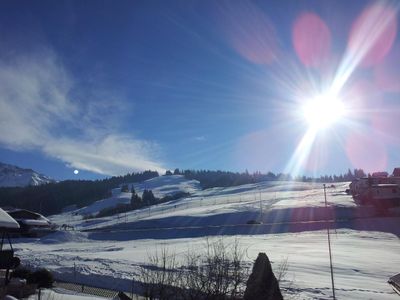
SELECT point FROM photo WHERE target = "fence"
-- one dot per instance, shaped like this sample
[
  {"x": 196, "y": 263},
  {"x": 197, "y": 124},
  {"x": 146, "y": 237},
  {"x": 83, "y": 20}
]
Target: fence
[
  {"x": 91, "y": 290},
  {"x": 260, "y": 197},
  {"x": 85, "y": 289}
]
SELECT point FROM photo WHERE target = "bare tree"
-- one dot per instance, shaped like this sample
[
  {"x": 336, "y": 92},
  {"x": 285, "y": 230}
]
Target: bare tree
[
  {"x": 159, "y": 279},
  {"x": 282, "y": 270},
  {"x": 286, "y": 285},
  {"x": 218, "y": 274}
]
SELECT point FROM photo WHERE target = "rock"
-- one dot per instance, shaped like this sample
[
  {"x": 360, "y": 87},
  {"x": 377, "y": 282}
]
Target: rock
[{"x": 262, "y": 283}]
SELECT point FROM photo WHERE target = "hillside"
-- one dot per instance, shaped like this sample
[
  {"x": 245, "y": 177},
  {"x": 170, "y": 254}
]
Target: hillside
[
  {"x": 109, "y": 251},
  {"x": 161, "y": 186},
  {"x": 53, "y": 198}
]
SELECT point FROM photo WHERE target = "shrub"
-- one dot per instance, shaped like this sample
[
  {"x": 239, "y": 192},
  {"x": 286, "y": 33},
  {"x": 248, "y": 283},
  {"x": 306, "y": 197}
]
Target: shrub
[
  {"x": 88, "y": 217},
  {"x": 253, "y": 222},
  {"x": 21, "y": 272},
  {"x": 124, "y": 188},
  {"x": 160, "y": 280},
  {"x": 41, "y": 277},
  {"x": 219, "y": 274}
]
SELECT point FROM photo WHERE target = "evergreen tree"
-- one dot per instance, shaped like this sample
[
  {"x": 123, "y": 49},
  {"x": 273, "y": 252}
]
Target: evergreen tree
[
  {"x": 136, "y": 201},
  {"x": 349, "y": 176},
  {"x": 124, "y": 188},
  {"x": 148, "y": 197}
]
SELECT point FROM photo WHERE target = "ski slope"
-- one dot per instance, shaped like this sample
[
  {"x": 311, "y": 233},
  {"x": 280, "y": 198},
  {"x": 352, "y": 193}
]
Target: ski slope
[{"x": 109, "y": 251}]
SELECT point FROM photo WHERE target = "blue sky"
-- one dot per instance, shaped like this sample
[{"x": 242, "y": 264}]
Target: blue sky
[{"x": 110, "y": 87}]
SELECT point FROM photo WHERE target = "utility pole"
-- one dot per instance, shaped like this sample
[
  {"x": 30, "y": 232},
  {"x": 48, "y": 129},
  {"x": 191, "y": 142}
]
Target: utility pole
[
  {"x": 329, "y": 244},
  {"x": 132, "y": 287},
  {"x": 261, "y": 210}
]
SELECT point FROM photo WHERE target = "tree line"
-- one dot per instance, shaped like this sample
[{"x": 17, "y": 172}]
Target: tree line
[
  {"x": 209, "y": 179},
  {"x": 51, "y": 198}
]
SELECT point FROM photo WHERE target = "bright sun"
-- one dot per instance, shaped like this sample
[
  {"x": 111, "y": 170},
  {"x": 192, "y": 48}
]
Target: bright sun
[{"x": 323, "y": 111}]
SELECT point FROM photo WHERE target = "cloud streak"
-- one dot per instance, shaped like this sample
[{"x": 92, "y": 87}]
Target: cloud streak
[{"x": 39, "y": 110}]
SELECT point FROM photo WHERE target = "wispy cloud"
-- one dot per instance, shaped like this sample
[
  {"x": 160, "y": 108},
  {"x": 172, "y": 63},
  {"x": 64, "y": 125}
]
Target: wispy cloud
[
  {"x": 200, "y": 138},
  {"x": 40, "y": 109}
]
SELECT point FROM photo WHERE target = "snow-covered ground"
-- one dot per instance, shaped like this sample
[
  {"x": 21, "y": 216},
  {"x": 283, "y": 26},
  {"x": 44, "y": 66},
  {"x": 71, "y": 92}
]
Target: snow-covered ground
[
  {"x": 61, "y": 294},
  {"x": 365, "y": 246}
]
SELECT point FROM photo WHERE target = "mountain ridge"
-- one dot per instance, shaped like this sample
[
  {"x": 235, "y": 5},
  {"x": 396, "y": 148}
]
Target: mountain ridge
[{"x": 14, "y": 176}]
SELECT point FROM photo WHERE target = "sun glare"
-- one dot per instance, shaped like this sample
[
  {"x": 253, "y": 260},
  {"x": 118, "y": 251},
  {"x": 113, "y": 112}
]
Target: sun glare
[{"x": 323, "y": 111}]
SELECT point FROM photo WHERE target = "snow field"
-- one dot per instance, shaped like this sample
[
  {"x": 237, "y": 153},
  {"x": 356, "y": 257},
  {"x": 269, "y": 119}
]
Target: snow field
[
  {"x": 363, "y": 261},
  {"x": 365, "y": 248}
]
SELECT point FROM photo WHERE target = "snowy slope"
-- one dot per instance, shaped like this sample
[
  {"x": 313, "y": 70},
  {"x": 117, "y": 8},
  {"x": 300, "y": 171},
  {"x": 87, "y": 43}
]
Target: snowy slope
[
  {"x": 215, "y": 206},
  {"x": 117, "y": 198},
  {"x": 13, "y": 176},
  {"x": 365, "y": 245},
  {"x": 161, "y": 186},
  {"x": 168, "y": 185}
]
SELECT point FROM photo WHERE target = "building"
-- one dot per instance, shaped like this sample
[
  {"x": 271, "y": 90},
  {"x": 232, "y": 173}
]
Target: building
[{"x": 31, "y": 224}]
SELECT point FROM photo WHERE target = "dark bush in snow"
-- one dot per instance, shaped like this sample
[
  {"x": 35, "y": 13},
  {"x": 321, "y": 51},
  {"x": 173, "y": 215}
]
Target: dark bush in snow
[
  {"x": 21, "y": 272},
  {"x": 253, "y": 222},
  {"x": 262, "y": 283},
  {"x": 42, "y": 277}
]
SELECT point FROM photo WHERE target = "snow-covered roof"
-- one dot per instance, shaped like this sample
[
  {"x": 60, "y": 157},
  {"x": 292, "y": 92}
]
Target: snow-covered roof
[
  {"x": 394, "y": 281},
  {"x": 6, "y": 221}
]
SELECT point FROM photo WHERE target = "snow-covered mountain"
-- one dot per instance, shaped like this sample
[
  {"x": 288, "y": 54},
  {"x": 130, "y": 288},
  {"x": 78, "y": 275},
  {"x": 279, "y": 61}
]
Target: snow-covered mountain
[{"x": 13, "y": 176}]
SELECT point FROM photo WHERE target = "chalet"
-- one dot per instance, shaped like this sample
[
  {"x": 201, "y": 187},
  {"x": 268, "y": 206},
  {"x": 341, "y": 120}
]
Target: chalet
[
  {"x": 396, "y": 172},
  {"x": 377, "y": 189}
]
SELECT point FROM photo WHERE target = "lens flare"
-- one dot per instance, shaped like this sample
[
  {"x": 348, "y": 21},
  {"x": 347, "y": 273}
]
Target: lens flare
[
  {"x": 366, "y": 150},
  {"x": 249, "y": 31},
  {"x": 301, "y": 153},
  {"x": 323, "y": 111},
  {"x": 311, "y": 38},
  {"x": 373, "y": 34},
  {"x": 371, "y": 38},
  {"x": 387, "y": 73},
  {"x": 370, "y": 44}
]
